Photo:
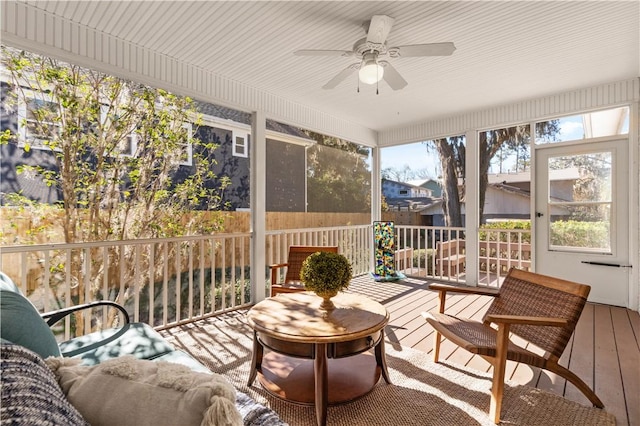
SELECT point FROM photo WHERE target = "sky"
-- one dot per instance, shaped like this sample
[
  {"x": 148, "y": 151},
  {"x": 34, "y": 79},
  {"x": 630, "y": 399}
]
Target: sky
[{"x": 414, "y": 155}]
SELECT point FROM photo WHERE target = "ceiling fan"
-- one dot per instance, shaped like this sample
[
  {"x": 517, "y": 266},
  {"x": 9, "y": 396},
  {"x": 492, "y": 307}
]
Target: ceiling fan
[{"x": 370, "y": 49}]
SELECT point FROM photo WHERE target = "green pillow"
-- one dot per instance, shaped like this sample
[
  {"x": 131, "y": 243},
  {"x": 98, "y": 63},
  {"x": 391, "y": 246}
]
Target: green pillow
[
  {"x": 20, "y": 323},
  {"x": 7, "y": 283}
]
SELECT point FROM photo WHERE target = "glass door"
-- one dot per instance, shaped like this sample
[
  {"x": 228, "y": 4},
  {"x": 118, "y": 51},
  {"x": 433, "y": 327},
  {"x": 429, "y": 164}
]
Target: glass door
[{"x": 582, "y": 217}]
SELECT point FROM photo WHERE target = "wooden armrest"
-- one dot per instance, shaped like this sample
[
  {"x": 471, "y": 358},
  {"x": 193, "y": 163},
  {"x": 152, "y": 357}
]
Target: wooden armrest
[
  {"x": 468, "y": 290},
  {"x": 55, "y": 316},
  {"x": 444, "y": 288},
  {"x": 278, "y": 265},
  {"x": 274, "y": 271},
  {"x": 526, "y": 320}
]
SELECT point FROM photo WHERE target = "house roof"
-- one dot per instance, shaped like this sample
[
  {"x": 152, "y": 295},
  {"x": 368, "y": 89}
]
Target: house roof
[
  {"x": 405, "y": 184},
  {"x": 571, "y": 173},
  {"x": 417, "y": 203},
  {"x": 241, "y": 117},
  {"x": 509, "y": 58}
]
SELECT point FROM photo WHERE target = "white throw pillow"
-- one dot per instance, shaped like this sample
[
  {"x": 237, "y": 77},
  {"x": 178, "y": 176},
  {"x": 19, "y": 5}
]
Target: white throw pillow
[{"x": 130, "y": 391}]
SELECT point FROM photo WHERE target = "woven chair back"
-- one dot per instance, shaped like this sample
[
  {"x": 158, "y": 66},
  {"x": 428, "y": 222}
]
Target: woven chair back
[
  {"x": 528, "y": 294},
  {"x": 297, "y": 255}
]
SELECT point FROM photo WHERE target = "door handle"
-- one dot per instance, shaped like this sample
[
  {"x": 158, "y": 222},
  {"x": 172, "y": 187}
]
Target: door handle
[
  {"x": 614, "y": 265},
  {"x": 538, "y": 214}
]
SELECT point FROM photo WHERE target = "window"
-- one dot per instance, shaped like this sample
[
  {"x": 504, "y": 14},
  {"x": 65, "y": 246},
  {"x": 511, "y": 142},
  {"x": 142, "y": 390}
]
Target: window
[
  {"x": 240, "y": 144},
  {"x": 128, "y": 146},
  {"x": 37, "y": 124},
  {"x": 186, "y": 155},
  {"x": 584, "y": 126}
]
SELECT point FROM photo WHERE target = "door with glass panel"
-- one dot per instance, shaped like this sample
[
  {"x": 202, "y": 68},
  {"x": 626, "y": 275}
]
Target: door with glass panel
[{"x": 581, "y": 228}]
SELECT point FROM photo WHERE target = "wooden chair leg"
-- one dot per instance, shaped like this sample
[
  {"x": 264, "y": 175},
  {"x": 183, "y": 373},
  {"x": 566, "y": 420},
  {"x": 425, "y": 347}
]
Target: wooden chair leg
[
  {"x": 499, "y": 366},
  {"x": 442, "y": 297},
  {"x": 577, "y": 382},
  {"x": 436, "y": 347}
]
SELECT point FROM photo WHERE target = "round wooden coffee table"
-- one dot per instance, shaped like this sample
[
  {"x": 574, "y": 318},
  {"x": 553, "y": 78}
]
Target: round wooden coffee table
[{"x": 318, "y": 357}]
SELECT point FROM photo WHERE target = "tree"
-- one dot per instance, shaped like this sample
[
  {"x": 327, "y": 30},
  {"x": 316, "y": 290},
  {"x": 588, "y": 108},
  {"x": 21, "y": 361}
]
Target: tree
[
  {"x": 403, "y": 174},
  {"x": 339, "y": 179},
  {"x": 451, "y": 152},
  {"x": 117, "y": 146}
]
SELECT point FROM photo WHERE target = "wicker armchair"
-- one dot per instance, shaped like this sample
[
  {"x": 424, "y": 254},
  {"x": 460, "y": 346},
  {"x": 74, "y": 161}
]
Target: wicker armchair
[
  {"x": 297, "y": 255},
  {"x": 540, "y": 309}
]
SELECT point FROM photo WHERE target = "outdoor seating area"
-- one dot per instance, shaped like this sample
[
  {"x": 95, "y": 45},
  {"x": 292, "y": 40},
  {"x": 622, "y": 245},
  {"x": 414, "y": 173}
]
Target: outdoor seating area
[
  {"x": 422, "y": 390},
  {"x": 316, "y": 213},
  {"x": 223, "y": 344}
]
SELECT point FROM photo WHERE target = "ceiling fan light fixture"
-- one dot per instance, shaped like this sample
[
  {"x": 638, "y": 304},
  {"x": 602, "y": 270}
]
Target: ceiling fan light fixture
[{"x": 371, "y": 71}]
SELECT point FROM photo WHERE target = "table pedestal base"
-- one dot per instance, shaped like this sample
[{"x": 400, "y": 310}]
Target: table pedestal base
[{"x": 292, "y": 378}]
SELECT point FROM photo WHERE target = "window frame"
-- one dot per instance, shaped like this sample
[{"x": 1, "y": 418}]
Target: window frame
[
  {"x": 244, "y": 136},
  {"x": 23, "y": 128},
  {"x": 188, "y": 145}
]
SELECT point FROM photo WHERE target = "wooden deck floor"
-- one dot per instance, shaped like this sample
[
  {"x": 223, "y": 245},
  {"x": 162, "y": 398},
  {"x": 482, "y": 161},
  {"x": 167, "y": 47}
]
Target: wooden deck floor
[{"x": 604, "y": 351}]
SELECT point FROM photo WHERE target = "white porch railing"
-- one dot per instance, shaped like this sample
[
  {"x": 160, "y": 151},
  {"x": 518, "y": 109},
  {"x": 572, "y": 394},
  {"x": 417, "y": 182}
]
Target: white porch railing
[
  {"x": 162, "y": 282},
  {"x": 354, "y": 242},
  {"x": 440, "y": 253},
  {"x": 170, "y": 281}
]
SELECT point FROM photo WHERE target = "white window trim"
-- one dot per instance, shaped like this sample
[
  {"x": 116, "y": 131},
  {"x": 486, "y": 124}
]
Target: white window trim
[
  {"x": 134, "y": 146},
  {"x": 24, "y": 139},
  {"x": 188, "y": 145},
  {"x": 235, "y": 135}
]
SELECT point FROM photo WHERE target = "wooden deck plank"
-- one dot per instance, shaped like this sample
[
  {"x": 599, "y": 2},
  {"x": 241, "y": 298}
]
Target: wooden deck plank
[
  {"x": 606, "y": 366},
  {"x": 551, "y": 382},
  {"x": 629, "y": 358},
  {"x": 582, "y": 355}
]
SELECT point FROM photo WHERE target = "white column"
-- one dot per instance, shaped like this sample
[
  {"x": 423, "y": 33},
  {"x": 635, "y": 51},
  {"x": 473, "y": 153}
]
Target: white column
[
  {"x": 634, "y": 205},
  {"x": 472, "y": 208},
  {"x": 376, "y": 185},
  {"x": 376, "y": 198},
  {"x": 258, "y": 173}
]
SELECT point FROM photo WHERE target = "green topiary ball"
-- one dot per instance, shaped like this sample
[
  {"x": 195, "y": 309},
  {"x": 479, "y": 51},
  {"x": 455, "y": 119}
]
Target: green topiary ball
[{"x": 326, "y": 273}]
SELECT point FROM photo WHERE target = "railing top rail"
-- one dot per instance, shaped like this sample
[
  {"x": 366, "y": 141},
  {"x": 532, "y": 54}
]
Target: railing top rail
[
  {"x": 109, "y": 243},
  {"x": 452, "y": 228},
  {"x": 320, "y": 229},
  {"x": 503, "y": 230}
]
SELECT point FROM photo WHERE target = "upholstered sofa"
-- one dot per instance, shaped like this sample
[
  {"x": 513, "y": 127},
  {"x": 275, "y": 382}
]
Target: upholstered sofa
[{"x": 31, "y": 357}]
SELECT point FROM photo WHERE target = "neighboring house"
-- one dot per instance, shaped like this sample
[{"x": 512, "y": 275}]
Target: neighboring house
[
  {"x": 402, "y": 196},
  {"x": 229, "y": 129},
  {"x": 393, "y": 189},
  {"x": 561, "y": 182},
  {"x": 508, "y": 196},
  {"x": 431, "y": 184}
]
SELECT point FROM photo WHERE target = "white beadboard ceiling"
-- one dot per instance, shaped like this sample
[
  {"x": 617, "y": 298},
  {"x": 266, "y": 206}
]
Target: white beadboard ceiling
[{"x": 506, "y": 51}]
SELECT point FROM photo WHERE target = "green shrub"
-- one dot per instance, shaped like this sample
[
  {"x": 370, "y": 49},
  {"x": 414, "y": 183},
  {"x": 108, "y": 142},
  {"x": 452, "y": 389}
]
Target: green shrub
[
  {"x": 423, "y": 259},
  {"x": 572, "y": 233},
  {"x": 324, "y": 272},
  {"x": 506, "y": 225}
]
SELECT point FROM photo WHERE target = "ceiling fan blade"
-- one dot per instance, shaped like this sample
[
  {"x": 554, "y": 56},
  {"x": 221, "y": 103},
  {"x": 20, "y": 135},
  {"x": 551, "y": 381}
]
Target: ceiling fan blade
[
  {"x": 430, "y": 49},
  {"x": 392, "y": 77},
  {"x": 379, "y": 28},
  {"x": 342, "y": 75},
  {"x": 311, "y": 52}
]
